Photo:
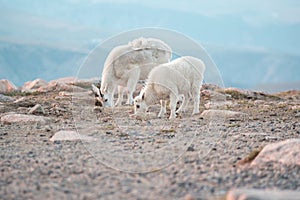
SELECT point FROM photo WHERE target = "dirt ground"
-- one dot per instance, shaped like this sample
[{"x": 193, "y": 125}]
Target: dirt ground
[{"x": 147, "y": 157}]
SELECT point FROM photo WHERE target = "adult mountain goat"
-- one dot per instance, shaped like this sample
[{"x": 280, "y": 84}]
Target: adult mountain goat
[
  {"x": 179, "y": 79},
  {"x": 127, "y": 64}
]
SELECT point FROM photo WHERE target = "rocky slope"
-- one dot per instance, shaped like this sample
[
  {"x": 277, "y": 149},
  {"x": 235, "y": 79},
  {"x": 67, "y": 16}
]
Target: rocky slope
[{"x": 46, "y": 136}]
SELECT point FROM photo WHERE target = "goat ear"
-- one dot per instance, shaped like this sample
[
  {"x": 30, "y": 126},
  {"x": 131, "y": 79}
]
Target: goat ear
[{"x": 95, "y": 90}]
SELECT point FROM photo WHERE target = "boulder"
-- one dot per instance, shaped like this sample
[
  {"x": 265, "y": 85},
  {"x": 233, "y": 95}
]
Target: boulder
[
  {"x": 286, "y": 152},
  {"x": 7, "y": 86},
  {"x": 31, "y": 86},
  {"x": 244, "y": 194},
  {"x": 61, "y": 84},
  {"x": 12, "y": 118},
  {"x": 208, "y": 114},
  {"x": 69, "y": 135},
  {"x": 57, "y": 86}
]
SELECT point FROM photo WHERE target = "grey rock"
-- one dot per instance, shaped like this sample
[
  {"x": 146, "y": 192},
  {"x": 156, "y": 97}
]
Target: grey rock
[
  {"x": 31, "y": 86},
  {"x": 247, "y": 194},
  {"x": 4, "y": 98}
]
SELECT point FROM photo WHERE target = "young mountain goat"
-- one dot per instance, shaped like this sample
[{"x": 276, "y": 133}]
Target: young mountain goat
[{"x": 179, "y": 79}]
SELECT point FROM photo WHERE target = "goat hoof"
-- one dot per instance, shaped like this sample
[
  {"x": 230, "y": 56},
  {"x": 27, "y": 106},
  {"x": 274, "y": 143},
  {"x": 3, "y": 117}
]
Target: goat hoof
[
  {"x": 97, "y": 109},
  {"x": 178, "y": 115},
  {"x": 161, "y": 115}
]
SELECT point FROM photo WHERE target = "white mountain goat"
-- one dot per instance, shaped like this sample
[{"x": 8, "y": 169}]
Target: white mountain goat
[
  {"x": 127, "y": 64},
  {"x": 180, "y": 79}
]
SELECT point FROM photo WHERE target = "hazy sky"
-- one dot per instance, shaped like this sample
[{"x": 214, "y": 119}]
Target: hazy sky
[{"x": 264, "y": 25}]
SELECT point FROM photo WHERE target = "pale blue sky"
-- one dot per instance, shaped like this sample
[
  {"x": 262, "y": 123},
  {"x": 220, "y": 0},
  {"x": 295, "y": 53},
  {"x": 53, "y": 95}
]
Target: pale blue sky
[{"x": 258, "y": 24}]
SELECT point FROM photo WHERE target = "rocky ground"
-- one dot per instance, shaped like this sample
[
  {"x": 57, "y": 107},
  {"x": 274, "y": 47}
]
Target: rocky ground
[{"x": 192, "y": 157}]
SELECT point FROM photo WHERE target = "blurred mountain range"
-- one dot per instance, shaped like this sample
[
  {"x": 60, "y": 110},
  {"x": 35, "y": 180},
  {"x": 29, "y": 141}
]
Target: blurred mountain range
[
  {"x": 243, "y": 68},
  {"x": 23, "y": 62},
  {"x": 257, "y": 69}
]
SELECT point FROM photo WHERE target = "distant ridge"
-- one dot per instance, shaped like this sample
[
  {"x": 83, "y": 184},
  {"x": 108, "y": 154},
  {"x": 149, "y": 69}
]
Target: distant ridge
[
  {"x": 278, "y": 87},
  {"x": 241, "y": 68}
]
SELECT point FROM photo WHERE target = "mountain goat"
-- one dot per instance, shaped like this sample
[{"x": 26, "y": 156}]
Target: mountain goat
[
  {"x": 127, "y": 64},
  {"x": 179, "y": 79}
]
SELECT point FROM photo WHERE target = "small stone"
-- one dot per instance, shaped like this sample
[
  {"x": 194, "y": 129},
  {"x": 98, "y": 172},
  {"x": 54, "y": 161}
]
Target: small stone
[
  {"x": 298, "y": 114},
  {"x": 37, "y": 109},
  {"x": 47, "y": 128},
  {"x": 64, "y": 94},
  {"x": 191, "y": 148}
]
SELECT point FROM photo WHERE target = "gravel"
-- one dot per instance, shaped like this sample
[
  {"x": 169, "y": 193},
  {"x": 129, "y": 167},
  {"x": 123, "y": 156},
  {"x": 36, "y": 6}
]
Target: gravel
[{"x": 33, "y": 167}]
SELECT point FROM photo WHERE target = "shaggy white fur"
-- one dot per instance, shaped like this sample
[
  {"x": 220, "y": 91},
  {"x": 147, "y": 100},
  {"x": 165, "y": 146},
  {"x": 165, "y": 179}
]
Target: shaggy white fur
[
  {"x": 180, "y": 79},
  {"x": 127, "y": 64}
]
